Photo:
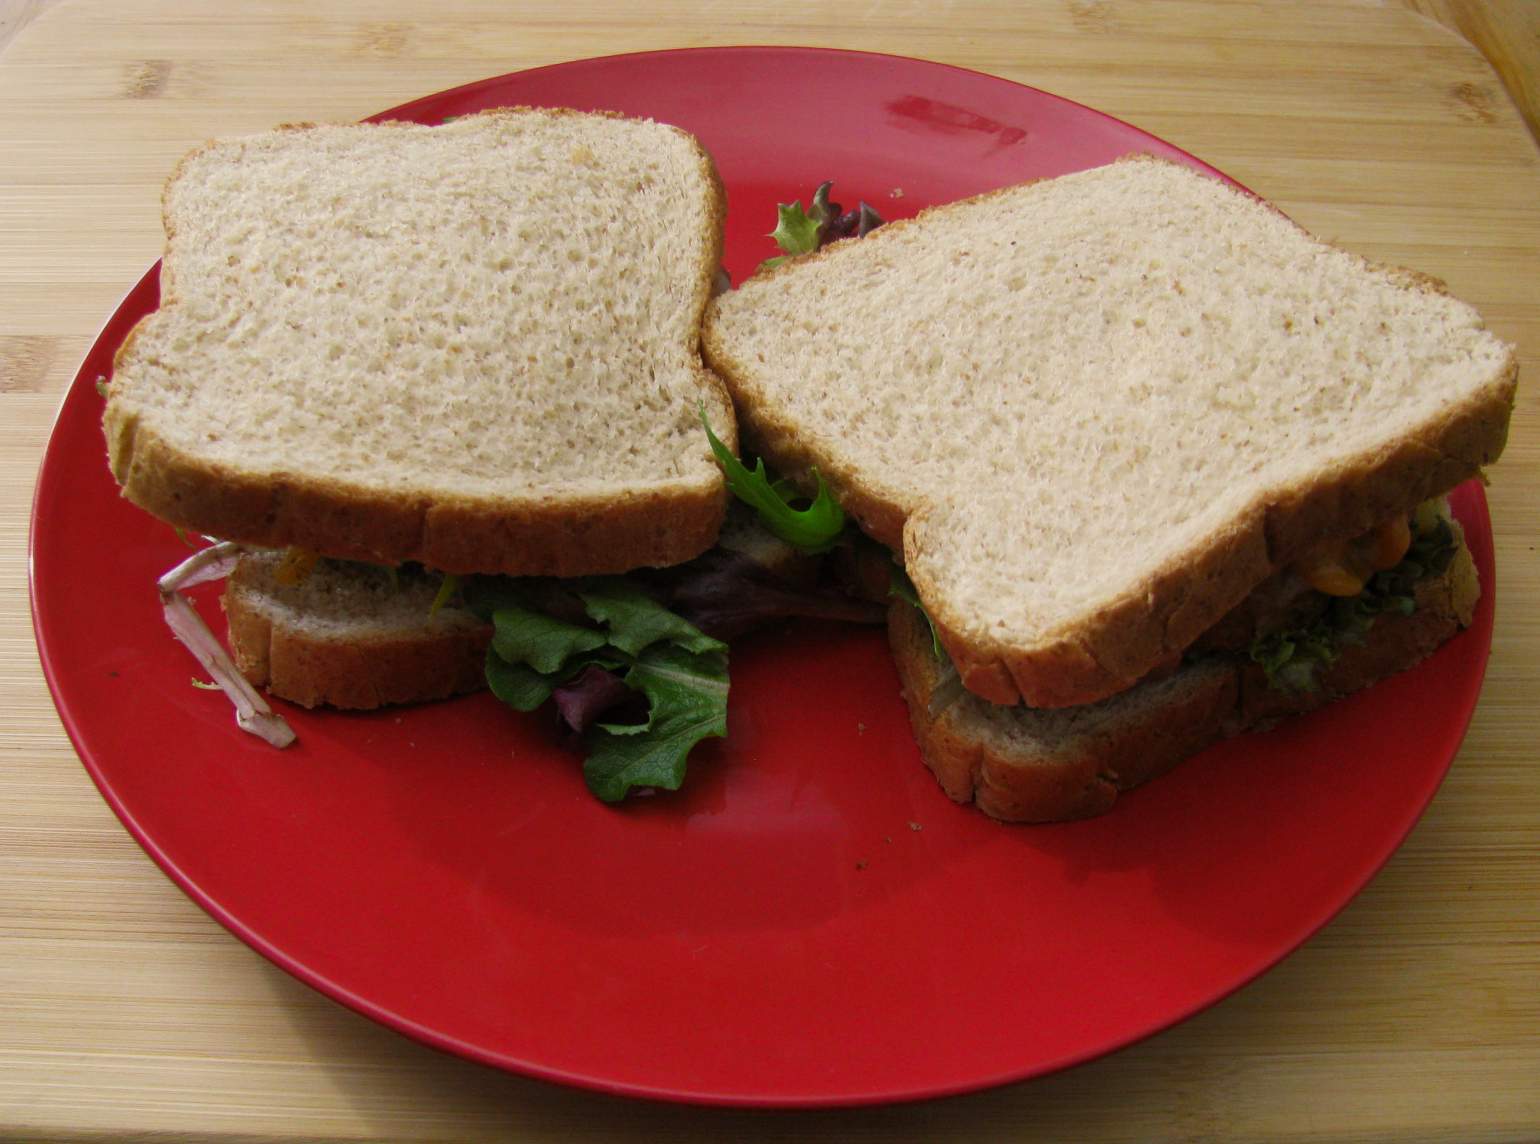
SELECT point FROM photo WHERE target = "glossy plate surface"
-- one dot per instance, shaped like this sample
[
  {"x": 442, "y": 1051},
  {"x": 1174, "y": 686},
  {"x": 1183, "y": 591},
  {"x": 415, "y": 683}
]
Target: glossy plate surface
[{"x": 810, "y": 922}]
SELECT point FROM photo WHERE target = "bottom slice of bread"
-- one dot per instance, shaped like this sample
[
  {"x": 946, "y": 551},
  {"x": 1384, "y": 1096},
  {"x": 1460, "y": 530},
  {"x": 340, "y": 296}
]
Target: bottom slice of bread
[
  {"x": 1022, "y": 764},
  {"x": 351, "y": 635}
]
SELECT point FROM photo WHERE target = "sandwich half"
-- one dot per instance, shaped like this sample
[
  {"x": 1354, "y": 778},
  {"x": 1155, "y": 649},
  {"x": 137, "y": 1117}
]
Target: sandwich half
[
  {"x": 394, "y": 361},
  {"x": 1091, "y": 416},
  {"x": 1050, "y": 764}
]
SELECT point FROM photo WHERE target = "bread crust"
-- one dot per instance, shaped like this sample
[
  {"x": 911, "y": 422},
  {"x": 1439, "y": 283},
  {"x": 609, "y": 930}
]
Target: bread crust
[
  {"x": 553, "y": 536},
  {"x": 1143, "y": 733},
  {"x": 648, "y": 524}
]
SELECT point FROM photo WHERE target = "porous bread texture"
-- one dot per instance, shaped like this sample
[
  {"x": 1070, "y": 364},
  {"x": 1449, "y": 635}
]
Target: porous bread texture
[
  {"x": 1092, "y": 413},
  {"x": 1023, "y": 764},
  {"x": 351, "y": 635},
  {"x": 472, "y": 345}
]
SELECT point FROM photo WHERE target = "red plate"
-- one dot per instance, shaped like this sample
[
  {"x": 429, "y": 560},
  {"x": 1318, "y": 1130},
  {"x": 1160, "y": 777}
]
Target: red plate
[{"x": 810, "y": 922}]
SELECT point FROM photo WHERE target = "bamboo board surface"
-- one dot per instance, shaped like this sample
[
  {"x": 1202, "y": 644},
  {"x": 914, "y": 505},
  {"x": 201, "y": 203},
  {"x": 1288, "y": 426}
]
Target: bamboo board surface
[{"x": 125, "y": 1013}]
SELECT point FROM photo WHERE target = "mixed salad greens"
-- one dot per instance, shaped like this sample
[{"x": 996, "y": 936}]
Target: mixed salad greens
[
  {"x": 637, "y": 664},
  {"x": 816, "y": 528},
  {"x": 636, "y": 685},
  {"x": 799, "y": 231}
]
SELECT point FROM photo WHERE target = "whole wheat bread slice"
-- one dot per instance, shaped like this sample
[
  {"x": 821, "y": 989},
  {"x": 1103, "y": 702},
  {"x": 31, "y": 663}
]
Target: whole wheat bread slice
[
  {"x": 472, "y": 345},
  {"x": 1023, "y": 764},
  {"x": 1092, "y": 413}
]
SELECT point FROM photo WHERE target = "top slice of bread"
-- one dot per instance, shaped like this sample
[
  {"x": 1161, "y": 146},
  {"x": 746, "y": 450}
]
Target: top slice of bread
[
  {"x": 1092, "y": 413},
  {"x": 473, "y": 345}
]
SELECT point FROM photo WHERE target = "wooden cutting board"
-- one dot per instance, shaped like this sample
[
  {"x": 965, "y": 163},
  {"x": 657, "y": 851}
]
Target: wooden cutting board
[{"x": 126, "y": 1013}]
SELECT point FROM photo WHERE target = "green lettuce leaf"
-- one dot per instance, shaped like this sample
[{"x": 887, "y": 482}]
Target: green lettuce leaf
[
  {"x": 517, "y": 684},
  {"x": 817, "y": 528},
  {"x": 799, "y": 231},
  {"x": 448, "y": 586},
  {"x": 541, "y": 641},
  {"x": 687, "y": 702},
  {"x": 680, "y": 671},
  {"x": 901, "y": 586},
  {"x": 796, "y": 232},
  {"x": 635, "y": 619}
]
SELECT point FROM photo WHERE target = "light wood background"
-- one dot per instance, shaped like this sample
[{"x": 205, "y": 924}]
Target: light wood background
[
  {"x": 1506, "y": 32},
  {"x": 126, "y": 1014}
]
